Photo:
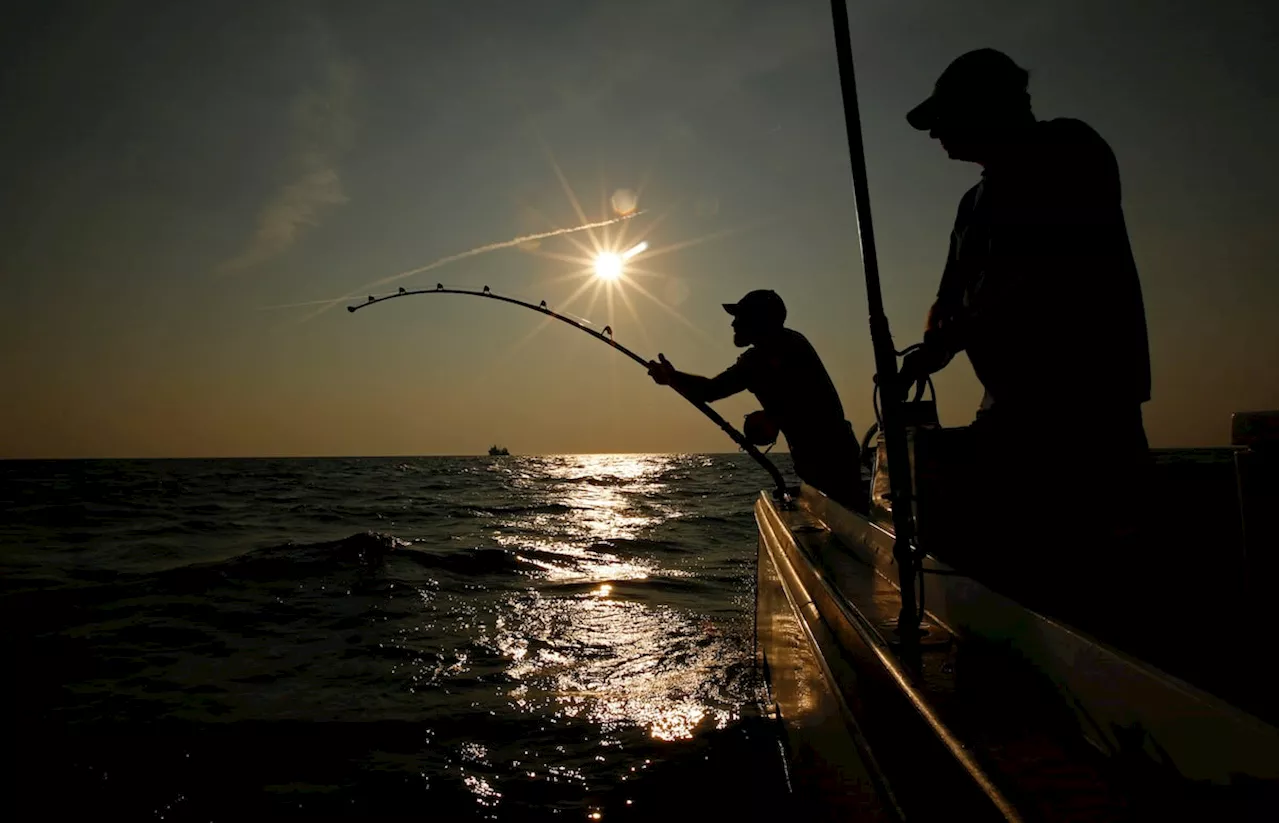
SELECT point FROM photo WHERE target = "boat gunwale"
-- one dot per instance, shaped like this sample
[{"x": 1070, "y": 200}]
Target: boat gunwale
[
  {"x": 787, "y": 578},
  {"x": 825, "y": 598},
  {"x": 1037, "y": 643}
]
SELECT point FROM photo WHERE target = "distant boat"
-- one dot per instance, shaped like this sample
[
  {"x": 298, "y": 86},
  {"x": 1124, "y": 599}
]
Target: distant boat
[{"x": 498, "y": 451}]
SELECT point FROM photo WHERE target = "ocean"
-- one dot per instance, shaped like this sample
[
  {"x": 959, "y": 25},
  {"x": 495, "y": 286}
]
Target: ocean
[{"x": 506, "y": 638}]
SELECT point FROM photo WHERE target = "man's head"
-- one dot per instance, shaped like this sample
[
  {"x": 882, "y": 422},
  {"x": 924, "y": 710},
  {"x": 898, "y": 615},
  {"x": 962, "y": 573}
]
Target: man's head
[
  {"x": 755, "y": 316},
  {"x": 979, "y": 99}
]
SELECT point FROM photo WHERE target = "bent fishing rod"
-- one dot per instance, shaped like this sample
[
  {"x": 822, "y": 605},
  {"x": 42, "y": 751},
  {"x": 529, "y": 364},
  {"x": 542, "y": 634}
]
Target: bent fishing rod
[{"x": 605, "y": 336}]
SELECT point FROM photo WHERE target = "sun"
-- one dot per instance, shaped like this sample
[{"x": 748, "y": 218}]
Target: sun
[{"x": 608, "y": 266}]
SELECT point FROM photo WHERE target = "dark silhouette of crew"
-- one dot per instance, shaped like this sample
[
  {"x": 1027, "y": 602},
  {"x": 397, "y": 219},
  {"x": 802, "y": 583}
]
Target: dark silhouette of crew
[
  {"x": 1040, "y": 289},
  {"x": 1040, "y": 286},
  {"x": 786, "y": 375}
]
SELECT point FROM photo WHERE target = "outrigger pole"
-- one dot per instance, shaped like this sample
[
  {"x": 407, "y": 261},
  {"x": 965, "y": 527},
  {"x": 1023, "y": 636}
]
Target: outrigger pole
[
  {"x": 605, "y": 336},
  {"x": 886, "y": 357}
]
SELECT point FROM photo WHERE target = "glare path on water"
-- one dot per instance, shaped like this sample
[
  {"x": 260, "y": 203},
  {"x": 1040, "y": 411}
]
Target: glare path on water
[{"x": 598, "y": 654}]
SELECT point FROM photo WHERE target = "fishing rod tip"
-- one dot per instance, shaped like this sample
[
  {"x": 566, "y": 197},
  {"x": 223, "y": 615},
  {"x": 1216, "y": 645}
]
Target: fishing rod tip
[{"x": 351, "y": 309}]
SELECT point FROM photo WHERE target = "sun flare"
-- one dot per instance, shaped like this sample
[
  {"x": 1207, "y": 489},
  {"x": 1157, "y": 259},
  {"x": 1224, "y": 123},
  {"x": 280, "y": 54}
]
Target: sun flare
[
  {"x": 613, "y": 268},
  {"x": 608, "y": 266}
]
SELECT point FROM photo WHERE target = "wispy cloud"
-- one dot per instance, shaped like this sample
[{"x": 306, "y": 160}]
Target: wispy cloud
[{"x": 322, "y": 126}]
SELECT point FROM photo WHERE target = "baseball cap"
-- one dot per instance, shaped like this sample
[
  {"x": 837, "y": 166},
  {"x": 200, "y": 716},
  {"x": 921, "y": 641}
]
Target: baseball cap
[
  {"x": 762, "y": 304},
  {"x": 974, "y": 79}
]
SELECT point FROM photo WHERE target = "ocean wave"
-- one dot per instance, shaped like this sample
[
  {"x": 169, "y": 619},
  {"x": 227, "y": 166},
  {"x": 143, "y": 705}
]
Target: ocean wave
[
  {"x": 643, "y": 588},
  {"x": 289, "y": 561},
  {"x": 362, "y": 547},
  {"x": 640, "y": 545},
  {"x": 182, "y": 605},
  {"x": 473, "y": 562},
  {"x": 604, "y": 480},
  {"x": 492, "y": 511}
]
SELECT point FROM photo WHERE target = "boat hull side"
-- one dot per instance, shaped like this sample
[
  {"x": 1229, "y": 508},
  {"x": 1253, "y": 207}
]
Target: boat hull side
[
  {"x": 1121, "y": 702},
  {"x": 850, "y": 722},
  {"x": 826, "y": 764}
]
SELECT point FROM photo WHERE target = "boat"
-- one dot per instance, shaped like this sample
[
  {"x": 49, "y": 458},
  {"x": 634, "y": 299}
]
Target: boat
[
  {"x": 907, "y": 687},
  {"x": 498, "y": 451},
  {"x": 999, "y": 711}
]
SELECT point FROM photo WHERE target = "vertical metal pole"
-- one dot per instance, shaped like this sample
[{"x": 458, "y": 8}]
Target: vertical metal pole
[{"x": 886, "y": 358}]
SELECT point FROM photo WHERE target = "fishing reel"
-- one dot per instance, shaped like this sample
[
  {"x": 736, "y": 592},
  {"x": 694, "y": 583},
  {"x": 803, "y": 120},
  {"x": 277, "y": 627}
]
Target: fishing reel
[
  {"x": 916, "y": 412},
  {"x": 760, "y": 429}
]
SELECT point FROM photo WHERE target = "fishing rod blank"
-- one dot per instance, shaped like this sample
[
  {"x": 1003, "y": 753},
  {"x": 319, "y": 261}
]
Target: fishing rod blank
[
  {"x": 892, "y": 425},
  {"x": 605, "y": 336}
]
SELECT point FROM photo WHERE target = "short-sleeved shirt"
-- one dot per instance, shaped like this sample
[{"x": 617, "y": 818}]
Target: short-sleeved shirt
[
  {"x": 1042, "y": 279},
  {"x": 788, "y": 378}
]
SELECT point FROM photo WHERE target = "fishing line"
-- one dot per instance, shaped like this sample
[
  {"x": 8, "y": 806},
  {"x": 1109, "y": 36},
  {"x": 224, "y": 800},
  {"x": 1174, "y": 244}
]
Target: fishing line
[{"x": 605, "y": 335}]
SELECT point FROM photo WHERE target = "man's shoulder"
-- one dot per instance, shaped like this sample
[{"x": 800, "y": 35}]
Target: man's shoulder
[
  {"x": 794, "y": 337},
  {"x": 784, "y": 346},
  {"x": 794, "y": 341},
  {"x": 1068, "y": 136},
  {"x": 1069, "y": 126}
]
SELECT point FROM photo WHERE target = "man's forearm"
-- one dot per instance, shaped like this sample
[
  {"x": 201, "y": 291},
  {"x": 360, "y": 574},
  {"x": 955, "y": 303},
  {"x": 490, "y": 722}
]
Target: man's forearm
[
  {"x": 693, "y": 386},
  {"x": 951, "y": 337}
]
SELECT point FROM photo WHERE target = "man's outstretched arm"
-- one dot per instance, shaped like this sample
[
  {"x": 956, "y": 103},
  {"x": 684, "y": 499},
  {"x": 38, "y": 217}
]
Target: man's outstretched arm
[{"x": 696, "y": 387}]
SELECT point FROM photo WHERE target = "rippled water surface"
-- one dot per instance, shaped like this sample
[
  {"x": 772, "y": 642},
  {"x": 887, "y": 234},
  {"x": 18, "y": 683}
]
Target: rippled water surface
[{"x": 431, "y": 638}]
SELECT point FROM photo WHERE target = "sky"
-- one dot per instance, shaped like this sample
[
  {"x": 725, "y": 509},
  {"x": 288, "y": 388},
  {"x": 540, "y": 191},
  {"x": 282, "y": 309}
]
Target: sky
[{"x": 172, "y": 171}]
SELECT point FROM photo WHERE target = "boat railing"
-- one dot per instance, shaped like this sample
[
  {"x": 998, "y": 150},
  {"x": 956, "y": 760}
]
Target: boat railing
[{"x": 1205, "y": 550}]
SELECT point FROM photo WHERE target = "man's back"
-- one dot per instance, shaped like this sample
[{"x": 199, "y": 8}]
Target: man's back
[
  {"x": 785, "y": 373},
  {"x": 1040, "y": 260}
]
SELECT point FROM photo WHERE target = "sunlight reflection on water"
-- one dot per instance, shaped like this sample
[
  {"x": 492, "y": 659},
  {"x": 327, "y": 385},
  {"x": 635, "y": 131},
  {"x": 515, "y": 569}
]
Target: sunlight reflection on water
[
  {"x": 477, "y": 637},
  {"x": 613, "y": 662},
  {"x": 588, "y": 654}
]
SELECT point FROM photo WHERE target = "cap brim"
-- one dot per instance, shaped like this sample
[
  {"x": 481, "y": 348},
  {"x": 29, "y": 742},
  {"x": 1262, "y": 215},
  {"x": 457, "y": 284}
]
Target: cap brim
[
  {"x": 923, "y": 116},
  {"x": 732, "y": 308}
]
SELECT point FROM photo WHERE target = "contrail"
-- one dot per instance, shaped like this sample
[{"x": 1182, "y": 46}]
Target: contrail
[
  {"x": 453, "y": 258},
  {"x": 305, "y": 303}
]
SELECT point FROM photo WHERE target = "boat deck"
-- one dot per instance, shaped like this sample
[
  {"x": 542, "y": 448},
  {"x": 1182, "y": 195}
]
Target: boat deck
[{"x": 973, "y": 723}]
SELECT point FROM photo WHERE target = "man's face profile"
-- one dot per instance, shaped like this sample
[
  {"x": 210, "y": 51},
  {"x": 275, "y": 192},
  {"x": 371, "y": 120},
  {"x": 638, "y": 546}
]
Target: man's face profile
[{"x": 961, "y": 135}]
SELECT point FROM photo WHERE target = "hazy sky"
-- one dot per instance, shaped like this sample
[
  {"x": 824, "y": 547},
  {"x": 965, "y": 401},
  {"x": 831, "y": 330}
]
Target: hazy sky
[{"x": 169, "y": 169}]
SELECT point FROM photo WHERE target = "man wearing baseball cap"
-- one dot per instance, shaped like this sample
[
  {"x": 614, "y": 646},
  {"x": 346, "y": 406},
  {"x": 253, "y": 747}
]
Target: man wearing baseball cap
[
  {"x": 1041, "y": 290},
  {"x": 1040, "y": 286},
  {"x": 786, "y": 375}
]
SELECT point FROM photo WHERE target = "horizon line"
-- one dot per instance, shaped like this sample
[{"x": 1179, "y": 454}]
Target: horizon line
[
  {"x": 1216, "y": 447},
  {"x": 379, "y": 456}
]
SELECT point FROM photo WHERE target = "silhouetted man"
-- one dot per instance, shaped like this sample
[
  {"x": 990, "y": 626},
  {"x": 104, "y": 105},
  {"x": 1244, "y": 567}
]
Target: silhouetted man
[
  {"x": 1040, "y": 286},
  {"x": 785, "y": 374},
  {"x": 1041, "y": 290}
]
